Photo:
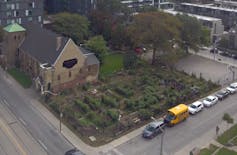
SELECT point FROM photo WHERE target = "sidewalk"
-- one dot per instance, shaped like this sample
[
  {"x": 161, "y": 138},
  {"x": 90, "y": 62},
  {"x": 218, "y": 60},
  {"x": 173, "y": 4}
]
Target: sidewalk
[{"x": 215, "y": 57}]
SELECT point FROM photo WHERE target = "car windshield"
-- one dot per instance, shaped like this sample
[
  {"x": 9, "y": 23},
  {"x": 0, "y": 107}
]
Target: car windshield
[
  {"x": 169, "y": 116},
  {"x": 208, "y": 99},
  {"x": 193, "y": 106},
  {"x": 150, "y": 128},
  {"x": 232, "y": 87}
]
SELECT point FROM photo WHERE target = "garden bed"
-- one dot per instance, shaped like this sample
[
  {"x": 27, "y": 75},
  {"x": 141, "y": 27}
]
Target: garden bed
[{"x": 126, "y": 100}]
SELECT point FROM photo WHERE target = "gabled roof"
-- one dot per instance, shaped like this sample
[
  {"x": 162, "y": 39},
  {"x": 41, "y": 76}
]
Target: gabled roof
[
  {"x": 14, "y": 28},
  {"x": 91, "y": 59},
  {"x": 42, "y": 44}
]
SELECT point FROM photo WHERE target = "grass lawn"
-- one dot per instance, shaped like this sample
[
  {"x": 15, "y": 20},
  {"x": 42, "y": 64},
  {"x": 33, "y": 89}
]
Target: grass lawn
[
  {"x": 227, "y": 135},
  {"x": 224, "y": 151},
  {"x": 21, "y": 77},
  {"x": 208, "y": 151},
  {"x": 111, "y": 64}
]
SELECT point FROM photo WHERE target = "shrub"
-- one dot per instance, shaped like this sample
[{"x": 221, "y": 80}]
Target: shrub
[
  {"x": 55, "y": 107},
  {"x": 130, "y": 104},
  {"x": 156, "y": 108},
  {"x": 130, "y": 60},
  {"x": 113, "y": 114},
  {"x": 94, "y": 104},
  {"x": 144, "y": 114},
  {"x": 82, "y": 106},
  {"x": 86, "y": 86},
  {"x": 108, "y": 101},
  {"x": 124, "y": 91},
  {"x": 84, "y": 122}
]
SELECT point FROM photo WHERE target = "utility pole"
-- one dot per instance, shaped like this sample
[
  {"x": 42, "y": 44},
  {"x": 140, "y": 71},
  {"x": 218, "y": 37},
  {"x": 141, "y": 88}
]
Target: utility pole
[
  {"x": 215, "y": 47},
  {"x": 162, "y": 141}
]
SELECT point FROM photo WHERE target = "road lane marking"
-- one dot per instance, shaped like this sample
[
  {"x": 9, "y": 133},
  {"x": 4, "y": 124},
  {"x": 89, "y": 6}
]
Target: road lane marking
[
  {"x": 6, "y": 102},
  {"x": 22, "y": 121},
  {"x": 42, "y": 144},
  {"x": 11, "y": 137}
]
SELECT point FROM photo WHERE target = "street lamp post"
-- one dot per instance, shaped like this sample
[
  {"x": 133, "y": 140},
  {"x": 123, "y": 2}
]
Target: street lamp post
[
  {"x": 60, "y": 121},
  {"x": 215, "y": 46},
  {"x": 162, "y": 141},
  {"x": 162, "y": 137}
]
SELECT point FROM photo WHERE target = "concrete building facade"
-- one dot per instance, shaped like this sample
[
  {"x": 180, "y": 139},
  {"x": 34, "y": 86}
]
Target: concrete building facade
[
  {"x": 21, "y": 11},
  {"x": 227, "y": 15}
]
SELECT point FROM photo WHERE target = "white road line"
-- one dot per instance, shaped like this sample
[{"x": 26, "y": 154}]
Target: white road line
[
  {"x": 116, "y": 151},
  {"x": 6, "y": 102},
  {"x": 42, "y": 144},
  {"x": 22, "y": 121}
]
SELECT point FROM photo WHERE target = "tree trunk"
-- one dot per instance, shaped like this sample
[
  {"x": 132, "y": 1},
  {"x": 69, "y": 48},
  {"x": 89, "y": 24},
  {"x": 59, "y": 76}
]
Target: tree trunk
[{"x": 153, "y": 56}]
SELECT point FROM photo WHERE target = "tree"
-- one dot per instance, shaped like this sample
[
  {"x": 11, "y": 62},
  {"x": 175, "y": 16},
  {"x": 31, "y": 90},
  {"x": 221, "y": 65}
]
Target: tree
[
  {"x": 193, "y": 33},
  {"x": 71, "y": 25},
  {"x": 108, "y": 20},
  {"x": 97, "y": 45},
  {"x": 119, "y": 37},
  {"x": 154, "y": 30},
  {"x": 205, "y": 36},
  {"x": 227, "y": 118}
]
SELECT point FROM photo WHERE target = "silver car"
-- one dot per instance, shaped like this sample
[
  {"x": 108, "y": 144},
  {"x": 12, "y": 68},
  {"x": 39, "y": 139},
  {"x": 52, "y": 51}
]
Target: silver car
[{"x": 153, "y": 128}]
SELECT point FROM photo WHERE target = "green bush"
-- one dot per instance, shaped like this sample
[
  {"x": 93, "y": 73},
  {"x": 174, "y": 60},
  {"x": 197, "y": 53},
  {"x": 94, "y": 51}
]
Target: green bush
[
  {"x": 124, "y": 91},
  {"x": 84, "y": 122},
  {"x": 113, "y": 114},
  {"x": 54, "y": 107},
  {"x": 108, "y": 101},
  {"x": 93, "y": 103},
  {"x": 82, "y": 106},
  {"x": 130, "y": 104},
  {"x": 144, "y": 114},
  {"x": 86, "y": 86},
  {"x": 150, "y": 99},
  {"x": 130, "y": 60},
  {"x": 156, "y": 108}
]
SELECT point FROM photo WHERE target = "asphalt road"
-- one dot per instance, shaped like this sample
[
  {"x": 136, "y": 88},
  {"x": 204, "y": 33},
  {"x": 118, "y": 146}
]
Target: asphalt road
[
  {"x": 46, "y": 136},
  {"x": 184, "y": 133},
  {"x": 209, "y": 69},
  {"x": 14, "y": 139}
]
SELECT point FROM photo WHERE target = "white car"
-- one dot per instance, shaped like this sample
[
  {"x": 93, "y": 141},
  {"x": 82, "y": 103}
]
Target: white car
[
  {"x": 210, "y": 100},
  {"x": 232, "y": 88},
  {"x": 195, "y": 107}
]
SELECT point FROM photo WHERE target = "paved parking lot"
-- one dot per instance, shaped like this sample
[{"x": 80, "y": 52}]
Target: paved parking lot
[{"x": 209, "y": 69}]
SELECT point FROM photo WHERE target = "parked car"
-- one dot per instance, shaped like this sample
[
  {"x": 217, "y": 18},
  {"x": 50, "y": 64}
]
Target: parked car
[
  {"x": 74, "y": 152},
  {"x": 210, "y": 100},
  {"x": 195, "y": 107},
  {"x": 234, "y": 56},
  {"x": 153, "y": 128},
  {"x": 232, "y": 88},
  {"x": 226, "y": 54},
  {"x": 222, "y": 94}
]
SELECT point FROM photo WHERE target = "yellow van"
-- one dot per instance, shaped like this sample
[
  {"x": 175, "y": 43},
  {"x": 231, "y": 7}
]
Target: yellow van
[{"x": 176, "y": 114}]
